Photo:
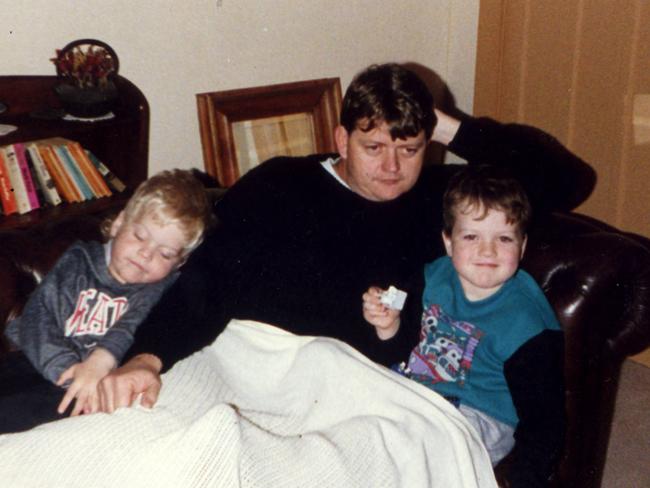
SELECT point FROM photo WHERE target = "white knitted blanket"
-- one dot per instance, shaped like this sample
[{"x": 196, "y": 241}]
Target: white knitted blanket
[{"x": 261, "y": 408}]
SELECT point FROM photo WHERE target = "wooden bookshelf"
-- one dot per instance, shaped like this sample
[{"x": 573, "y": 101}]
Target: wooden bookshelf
[{"x": 122, "y": 142}]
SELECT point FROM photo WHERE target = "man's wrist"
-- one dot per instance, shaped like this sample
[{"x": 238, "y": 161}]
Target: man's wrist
[
  {"x": 388, "y": 332},
  {"x": 148, "y": 361},
  {"x": 445, "y": 129}
]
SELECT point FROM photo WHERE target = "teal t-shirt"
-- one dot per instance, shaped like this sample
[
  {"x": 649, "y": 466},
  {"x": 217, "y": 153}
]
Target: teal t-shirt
[{"x": 464, "y": 344}]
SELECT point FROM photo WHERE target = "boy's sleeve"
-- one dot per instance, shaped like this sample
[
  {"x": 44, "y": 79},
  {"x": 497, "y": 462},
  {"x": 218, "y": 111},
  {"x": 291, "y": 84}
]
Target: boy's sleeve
[
  {"x": 398, "y": 349},
  {"x": 119, "y": 338},
  {"x": 536, "y": 381},
  {"x": 38, "y": 332}
]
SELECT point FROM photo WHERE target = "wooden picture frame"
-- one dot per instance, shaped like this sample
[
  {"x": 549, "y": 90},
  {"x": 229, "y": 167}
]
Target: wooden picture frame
[{"x": 241, "y": 128}]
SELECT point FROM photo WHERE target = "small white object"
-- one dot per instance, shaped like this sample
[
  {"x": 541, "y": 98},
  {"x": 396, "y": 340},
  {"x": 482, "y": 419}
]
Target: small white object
[
  {"x": 6, "y": 129},
  {"x": 393, "y": 298},
  {"x": 109, "y": 115}
]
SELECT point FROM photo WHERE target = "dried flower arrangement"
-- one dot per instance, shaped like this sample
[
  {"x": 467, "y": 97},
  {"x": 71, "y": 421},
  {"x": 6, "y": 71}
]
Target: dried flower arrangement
[
  {"x": 86, "y": 63},
  {"x": 86, "y": 69}
]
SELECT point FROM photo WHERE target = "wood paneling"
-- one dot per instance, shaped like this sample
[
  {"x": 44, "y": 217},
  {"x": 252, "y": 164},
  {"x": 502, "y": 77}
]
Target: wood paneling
[{"x": 573, "y": 68}]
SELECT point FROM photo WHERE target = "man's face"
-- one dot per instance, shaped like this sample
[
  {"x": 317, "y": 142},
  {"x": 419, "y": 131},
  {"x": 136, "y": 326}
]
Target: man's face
[{"x": 377, "y": 167}]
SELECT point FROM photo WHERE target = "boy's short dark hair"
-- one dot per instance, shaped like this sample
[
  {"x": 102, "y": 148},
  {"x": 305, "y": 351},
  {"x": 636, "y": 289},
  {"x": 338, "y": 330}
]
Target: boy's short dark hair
[
  {"x": 388, "y": 93},
  {"x": 488, "y": 188}
]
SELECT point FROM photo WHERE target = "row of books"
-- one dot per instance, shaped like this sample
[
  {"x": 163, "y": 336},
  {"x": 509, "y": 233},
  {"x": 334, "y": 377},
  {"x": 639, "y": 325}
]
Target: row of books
[{"x": 49, "y": 172}]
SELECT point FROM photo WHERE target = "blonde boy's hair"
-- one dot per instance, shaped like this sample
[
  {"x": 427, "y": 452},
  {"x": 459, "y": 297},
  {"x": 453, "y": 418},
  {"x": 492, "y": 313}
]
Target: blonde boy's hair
[{"x": 171, "y": 197}]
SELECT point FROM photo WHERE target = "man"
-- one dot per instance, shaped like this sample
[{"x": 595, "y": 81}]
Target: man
[{"x": 300, "y": 239}]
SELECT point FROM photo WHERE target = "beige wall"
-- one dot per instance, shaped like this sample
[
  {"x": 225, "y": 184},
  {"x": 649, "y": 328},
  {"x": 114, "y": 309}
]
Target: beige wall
[
  {"x": 175, "y": 49},
  {"x": 577, "y": 69}
]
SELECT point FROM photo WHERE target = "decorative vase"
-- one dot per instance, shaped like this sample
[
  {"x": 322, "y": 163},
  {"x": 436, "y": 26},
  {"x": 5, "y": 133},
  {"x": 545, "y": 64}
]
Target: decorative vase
[
  {"x": 86, "y": 69},
  {"x": 87, "y": 102}
]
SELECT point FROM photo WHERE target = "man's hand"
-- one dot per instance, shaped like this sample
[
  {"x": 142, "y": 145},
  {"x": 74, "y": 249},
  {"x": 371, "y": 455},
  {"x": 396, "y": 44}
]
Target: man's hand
[
  {"x": 385, "y": 320},
  {"x": 141, "y": 374},
  {"x": 445, "y": 129},
  {"x": 85, "y": 376}
]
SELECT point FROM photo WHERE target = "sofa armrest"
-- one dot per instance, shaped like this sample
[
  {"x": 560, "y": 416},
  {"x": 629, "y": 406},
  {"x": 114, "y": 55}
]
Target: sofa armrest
[{"x": 597, "y": 279}]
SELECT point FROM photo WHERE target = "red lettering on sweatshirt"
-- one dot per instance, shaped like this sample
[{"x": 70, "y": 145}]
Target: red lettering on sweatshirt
[{"x": 95, "y": 313}]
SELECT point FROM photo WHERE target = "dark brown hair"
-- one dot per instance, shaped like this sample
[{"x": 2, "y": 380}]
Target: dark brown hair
[
  {"x": 487, "y": 188},
  {"x": 388, "y": 93}
]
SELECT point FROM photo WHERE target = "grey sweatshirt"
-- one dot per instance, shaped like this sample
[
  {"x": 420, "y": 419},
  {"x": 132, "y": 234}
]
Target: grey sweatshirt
[{"x": 79, "y": 306}]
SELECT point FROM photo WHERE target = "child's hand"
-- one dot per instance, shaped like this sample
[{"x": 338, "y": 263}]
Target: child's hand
[
  {"x": 385, "y": 320},
  {"x": 85, "y": 376}
]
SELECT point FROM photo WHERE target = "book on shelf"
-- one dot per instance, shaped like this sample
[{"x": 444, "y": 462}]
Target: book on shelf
[
  {"x": 113, "y": 181},
  {"x": 60, "y": 176},
  {"x": 101, "y": 181},
  {"x": 43, "y": 176},
  {"x": 109, "y": 180},
  {"x": 97, "y": 183},
  {"x": 30, "y": 187},
  {"x": 20, "y": 191},
  {"x": 7, "y": 198},
  {"x": 51, "y": 171},
  {"x": 37, "y": 185},
  {"x": 75, "y": 174}
]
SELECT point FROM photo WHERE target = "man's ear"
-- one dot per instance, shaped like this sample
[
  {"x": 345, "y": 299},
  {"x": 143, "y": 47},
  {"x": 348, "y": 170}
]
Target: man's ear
[
  {"x": 117, "y": 223},
  {"x": 446, "y": 239},
  {"x": 341, "y": 137}
]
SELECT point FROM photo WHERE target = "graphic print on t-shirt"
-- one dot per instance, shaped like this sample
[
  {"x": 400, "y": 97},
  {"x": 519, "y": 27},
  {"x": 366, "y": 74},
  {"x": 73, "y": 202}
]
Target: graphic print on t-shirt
[
  {"x": 94, "y": 313},
  {"x": 446, "y": 348}
]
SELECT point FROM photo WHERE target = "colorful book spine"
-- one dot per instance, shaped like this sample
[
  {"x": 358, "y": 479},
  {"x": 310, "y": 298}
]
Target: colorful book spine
[
  {"x": 61, "y": 180},
  {"x": 30, "y": 187},
  {"x": 113, "y": 181},
  {"x": 74, "y": 173},
  {"x": 43, "y": 176},
  {"x": 20, "y": 192},
  {"x": 99, "y": 186},
  {"x": 32, "y": 172},
  {"x": 6, "y": 189}
]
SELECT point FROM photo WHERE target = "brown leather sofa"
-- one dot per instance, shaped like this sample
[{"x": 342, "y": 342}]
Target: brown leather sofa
[
  {"x": 598, "y": 281},
  {"x": 596, "y": 277}
]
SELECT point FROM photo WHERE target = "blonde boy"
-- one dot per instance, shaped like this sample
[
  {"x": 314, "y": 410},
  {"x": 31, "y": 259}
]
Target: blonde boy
[{"x": 79, "y": 322}]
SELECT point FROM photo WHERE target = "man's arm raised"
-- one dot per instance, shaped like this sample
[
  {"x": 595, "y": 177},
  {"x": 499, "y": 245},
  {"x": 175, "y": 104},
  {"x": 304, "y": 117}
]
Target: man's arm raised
[
  {"x": 554, "y": 177},
  {"x": 445, "y": 129},
  {"x": 140, "y": 375}
]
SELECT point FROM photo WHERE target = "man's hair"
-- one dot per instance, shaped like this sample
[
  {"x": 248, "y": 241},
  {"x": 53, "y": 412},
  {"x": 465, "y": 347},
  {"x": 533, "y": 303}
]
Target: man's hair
[
  {"x": 486, "y": 188},
  {"x": 388, "y": 93},
  {"x": 171, "y": 197}
]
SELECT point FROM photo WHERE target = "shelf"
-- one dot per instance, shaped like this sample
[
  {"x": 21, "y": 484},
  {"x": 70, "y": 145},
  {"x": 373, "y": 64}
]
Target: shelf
[
  {"x": 48, "y": 214},
  {"x": 121, "y": 143}
]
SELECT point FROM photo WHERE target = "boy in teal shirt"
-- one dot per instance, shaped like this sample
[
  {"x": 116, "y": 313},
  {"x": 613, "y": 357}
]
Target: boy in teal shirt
[{"x": 489, "y": 342}]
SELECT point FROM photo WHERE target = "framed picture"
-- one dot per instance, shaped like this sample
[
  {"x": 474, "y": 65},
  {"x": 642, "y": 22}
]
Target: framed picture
[{"x": 242, "y": 128}]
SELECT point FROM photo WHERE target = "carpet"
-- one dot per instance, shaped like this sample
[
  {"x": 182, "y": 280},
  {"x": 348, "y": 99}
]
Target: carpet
[{"x": 628, "y": 454}]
